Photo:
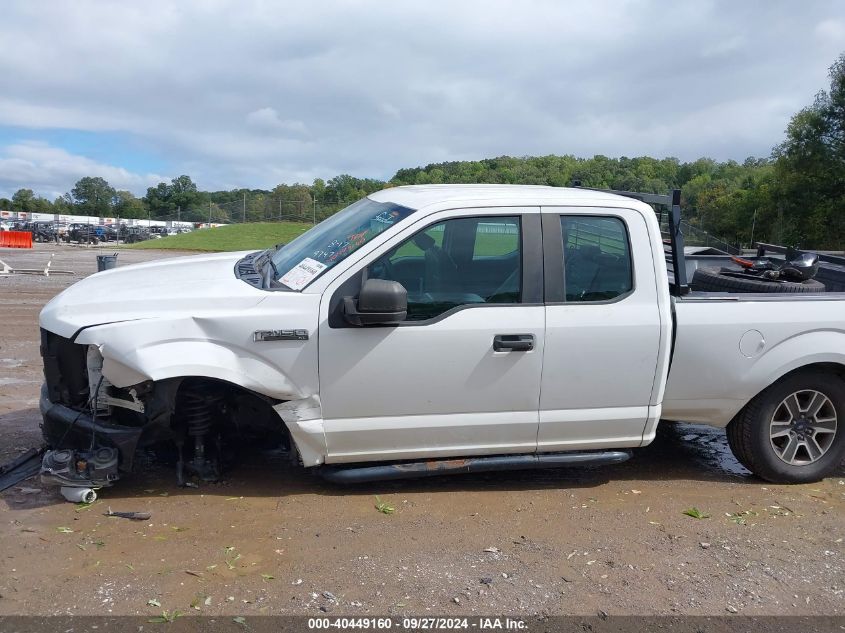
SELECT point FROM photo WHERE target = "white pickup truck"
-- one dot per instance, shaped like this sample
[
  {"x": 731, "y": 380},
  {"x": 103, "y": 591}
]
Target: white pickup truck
[{"x": 435, "y": 329}]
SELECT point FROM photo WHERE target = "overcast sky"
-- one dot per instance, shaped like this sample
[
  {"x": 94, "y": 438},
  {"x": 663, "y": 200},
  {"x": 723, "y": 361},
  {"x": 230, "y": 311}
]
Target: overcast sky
[{"x": 252, "y": 94}]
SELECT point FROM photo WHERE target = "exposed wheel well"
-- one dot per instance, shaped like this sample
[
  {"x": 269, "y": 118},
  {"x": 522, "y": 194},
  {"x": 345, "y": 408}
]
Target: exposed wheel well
[
  {"x": 240, "y": 408},
  {"x": 828, "y": 368},
  {"x": 205, "y": 423}
]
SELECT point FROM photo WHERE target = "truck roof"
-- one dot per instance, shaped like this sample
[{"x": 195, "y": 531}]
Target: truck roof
[{"x": 419, "y": 196}]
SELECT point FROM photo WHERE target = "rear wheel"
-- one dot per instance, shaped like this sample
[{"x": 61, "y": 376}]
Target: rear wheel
[{"x": 793, "y": 432}]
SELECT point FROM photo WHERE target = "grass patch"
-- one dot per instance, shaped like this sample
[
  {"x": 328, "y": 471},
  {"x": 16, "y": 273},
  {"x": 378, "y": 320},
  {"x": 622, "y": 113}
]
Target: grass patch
[
  {"x": 695, "y": 513},
  {"x": 486, "y": 245},
  {"x": 233, "y": 237},
  {"x": 384, "y": 508}
]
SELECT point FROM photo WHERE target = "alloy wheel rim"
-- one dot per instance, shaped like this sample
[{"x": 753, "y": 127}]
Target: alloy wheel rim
[{"x": 803, "y": 427}]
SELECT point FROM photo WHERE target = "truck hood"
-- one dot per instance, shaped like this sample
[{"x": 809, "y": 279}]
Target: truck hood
[{"x": 195, "y": 285}]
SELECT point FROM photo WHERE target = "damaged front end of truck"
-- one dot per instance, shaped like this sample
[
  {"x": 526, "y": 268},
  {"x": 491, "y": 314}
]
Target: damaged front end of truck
[
  {"x": 139, "y": 368},
  {"x": 95, "y": 429},
  {"x": 91, "y": 438}
]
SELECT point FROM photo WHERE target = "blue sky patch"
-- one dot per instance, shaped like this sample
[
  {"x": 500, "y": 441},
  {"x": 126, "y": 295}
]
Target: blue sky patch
[{"x": 110, "y": 148}]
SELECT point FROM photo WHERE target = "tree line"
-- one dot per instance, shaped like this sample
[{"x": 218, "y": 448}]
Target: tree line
[
  {"x": 181, "y": 199},
  {"x": 795, "y": 196}
]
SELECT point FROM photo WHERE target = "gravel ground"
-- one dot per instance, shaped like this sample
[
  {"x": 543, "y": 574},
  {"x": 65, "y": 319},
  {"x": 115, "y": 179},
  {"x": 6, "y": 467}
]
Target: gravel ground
[{"x": 272, "y": 539}]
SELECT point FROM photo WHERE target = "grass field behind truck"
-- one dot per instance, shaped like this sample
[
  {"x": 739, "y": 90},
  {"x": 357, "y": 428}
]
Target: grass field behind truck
[
  {"x": 260, "y": 235},
  {"x": 233, "y": 237}
]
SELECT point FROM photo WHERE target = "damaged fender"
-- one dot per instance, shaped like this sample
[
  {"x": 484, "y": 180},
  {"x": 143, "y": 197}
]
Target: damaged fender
[
  {"x": 222, "y": 348},
  {"x": 305, "y": 422},
  {"x": 137, "y": 352}
]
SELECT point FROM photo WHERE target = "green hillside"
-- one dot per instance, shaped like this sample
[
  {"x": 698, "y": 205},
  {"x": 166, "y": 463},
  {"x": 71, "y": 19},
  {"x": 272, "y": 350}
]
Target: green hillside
[{"x": 233, "y": 237}]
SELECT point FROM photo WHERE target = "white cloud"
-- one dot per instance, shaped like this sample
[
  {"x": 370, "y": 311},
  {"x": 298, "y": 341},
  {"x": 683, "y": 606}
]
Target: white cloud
[
  {"x": 390, "y": 110},
  {"x": 723, "y": 47},
  {"x": 253, "y": 93},
  {"x": 268, "y": 120},
  {"x": 40, "y": 166},
  {"x": 832, "y": 31}
]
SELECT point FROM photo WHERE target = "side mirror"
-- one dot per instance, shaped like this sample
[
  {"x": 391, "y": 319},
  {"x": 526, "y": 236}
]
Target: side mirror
[{"x": 380, "y": 302}]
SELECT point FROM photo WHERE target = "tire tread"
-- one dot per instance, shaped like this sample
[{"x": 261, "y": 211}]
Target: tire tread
[{"x": 711, "y": 279}]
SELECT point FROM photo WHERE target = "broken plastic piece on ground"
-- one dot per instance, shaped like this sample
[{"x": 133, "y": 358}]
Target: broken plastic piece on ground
[
  {"x": 20, "y": 459},
  {"x": 79, "y": 495},
  {"x": 135, "y": 516},
  {"x": 22, "y": 467}
]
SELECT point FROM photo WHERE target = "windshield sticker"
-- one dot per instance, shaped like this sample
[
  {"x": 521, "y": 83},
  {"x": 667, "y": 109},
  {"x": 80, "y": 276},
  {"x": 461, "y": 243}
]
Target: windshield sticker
[
  {"x": 387, "y": 217},
  {"x": 338, "y": 249},
  {"x": 300, "y": 275}
]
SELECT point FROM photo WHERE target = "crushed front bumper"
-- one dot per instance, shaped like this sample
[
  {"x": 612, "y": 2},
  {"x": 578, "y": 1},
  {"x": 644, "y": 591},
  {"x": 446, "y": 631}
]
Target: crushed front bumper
[{"x": 85, "y": 451}]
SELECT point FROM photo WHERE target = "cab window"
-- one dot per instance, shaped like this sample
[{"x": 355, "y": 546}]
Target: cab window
[
  {"x": 463, "y": 261},
  {"x": 596, "y": 258}
]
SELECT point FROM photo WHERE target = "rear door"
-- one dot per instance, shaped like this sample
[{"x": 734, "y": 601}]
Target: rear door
[
  {"x": 603, "y": 329},
  {"x": 461, "y": 376}
]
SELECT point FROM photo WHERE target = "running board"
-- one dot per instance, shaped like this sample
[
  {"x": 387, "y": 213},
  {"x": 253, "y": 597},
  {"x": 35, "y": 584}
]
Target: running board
[{"x": 409, "y": 470}]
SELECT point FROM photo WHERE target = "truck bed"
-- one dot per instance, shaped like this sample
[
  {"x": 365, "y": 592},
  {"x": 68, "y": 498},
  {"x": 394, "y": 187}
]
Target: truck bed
[
  {"x": 831, "y": 271},
  {"x": 729, "y": 347}
]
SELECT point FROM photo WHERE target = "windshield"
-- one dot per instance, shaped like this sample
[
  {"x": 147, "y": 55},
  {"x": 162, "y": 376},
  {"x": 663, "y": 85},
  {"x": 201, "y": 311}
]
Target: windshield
[{"x": 333, "y": 240}]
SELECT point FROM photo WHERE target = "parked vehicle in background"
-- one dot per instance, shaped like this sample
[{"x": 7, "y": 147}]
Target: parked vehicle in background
[
  {"x": 61, "y": 228},
  {"x": 121, "y": 230},
  {"x": 436, "y": 329},
  {"x": 133, "y": 234},
  {"x": 42, "y": 231},
  {"x": 82, "y": 233},
  {"x": 108, "y": 233}
]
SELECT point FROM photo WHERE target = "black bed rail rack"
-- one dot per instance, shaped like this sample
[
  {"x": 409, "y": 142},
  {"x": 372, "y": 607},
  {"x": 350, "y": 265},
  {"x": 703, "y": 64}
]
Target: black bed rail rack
[{"x": 678, "y": 285}]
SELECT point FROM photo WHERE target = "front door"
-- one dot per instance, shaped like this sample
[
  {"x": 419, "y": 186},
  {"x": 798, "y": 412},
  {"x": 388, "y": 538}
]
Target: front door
[{"x": 461, "y": 375}]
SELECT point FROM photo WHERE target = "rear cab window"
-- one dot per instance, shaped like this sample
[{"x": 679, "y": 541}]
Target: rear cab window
[{"x": 596, "y": 258}]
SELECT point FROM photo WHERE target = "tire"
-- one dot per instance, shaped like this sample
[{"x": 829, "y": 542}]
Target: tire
[
  {"x": 713, "y": 280},
  {"x": 749, "y": 434}
]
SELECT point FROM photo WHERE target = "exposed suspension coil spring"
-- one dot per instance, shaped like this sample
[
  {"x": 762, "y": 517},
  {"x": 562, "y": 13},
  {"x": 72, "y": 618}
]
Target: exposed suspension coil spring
[{"x": 198, "y": 408}]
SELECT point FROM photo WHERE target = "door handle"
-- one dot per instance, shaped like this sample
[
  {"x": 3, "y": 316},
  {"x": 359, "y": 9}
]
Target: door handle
[{"x": 513, "y": 342}]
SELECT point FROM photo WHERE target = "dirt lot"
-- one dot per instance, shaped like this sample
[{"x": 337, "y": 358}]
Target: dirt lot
[{"x": 275, "y": 540}]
